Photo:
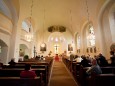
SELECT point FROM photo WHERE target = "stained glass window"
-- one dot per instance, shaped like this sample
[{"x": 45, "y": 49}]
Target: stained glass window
[{"x": 91, "y": 37}]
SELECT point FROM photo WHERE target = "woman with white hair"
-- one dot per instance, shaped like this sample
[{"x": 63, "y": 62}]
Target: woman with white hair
[{"x": 95, "y": 68}]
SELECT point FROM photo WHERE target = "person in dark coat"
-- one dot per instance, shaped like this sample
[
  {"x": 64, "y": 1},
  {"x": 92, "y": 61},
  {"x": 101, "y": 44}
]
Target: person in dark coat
[
  {"x": 112, "y": 58},
  {"x": 102, "y": 60},
  {"x": 85, "y": 62},
  {"x": 12, "y": 62}
]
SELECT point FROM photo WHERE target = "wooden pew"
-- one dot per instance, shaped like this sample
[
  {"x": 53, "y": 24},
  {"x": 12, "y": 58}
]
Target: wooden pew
[
  {"x": 43, "y": 67},
  {"x": 17, "y": 81},
  {"x": 23, "y": 66},
  {"x": 15, "y": 72},
  {"x": 106, "y": 79},
  {"x": 47, "y": 62},
  {"x": 76, "y": 70},
  {"x": 101, "y": 80},
  {"x": 79, "y": 74},
  {"x": 39, "y": 67},
  {"x": 108, "y": 69}
]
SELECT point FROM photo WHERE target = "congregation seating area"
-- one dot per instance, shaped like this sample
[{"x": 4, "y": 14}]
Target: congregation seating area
[
  {"x": 11, "y": 74},
  {"x": 57, "y": 42},
  {"x": 17, "y": 81},
  {"x": 107, "y": 78}
]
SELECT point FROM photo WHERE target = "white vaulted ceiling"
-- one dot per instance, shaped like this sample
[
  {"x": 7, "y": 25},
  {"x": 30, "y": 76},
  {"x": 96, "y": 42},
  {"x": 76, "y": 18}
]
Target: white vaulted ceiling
[{"x": 57, "y": 12}]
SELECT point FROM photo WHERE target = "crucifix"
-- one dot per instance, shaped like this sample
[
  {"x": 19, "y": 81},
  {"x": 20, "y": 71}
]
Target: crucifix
[{"x": 56, "y": 48}]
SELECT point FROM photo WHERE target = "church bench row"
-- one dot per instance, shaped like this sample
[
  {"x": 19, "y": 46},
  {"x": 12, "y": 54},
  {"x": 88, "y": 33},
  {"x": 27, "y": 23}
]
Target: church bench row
[
  {"x": 101, "y": 80},
  {"x": 95, "y": 80},
  {"x": 79, "y": 74},
  {"x": 15, "y": 72},
  {"x": 76, "y": 70},
  {"x": 108, "y": 69},
  {"x": 43, "y": 67},
  {"x": 23, "y": 66},
  {"x": 34, "y": 61},
  {"x": 47, "y": 62},
  {"x": 17, "y": 81},
  {"x": 37, "y": 63},
  {"x": 74, "y": 67}
]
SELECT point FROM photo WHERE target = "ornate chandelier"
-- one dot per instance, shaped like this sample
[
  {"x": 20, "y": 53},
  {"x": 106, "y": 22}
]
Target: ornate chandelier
[
  {"x": 29, "y": 35},
  {"x": 43, "y": 45}
]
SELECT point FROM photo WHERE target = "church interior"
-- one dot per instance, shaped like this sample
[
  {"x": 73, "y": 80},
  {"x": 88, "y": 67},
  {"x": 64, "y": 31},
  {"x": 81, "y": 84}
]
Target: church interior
[{"x": 39, "y": 33}]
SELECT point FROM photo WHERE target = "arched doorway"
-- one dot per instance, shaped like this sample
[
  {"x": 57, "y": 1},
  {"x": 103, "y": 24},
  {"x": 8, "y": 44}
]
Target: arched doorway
[
  {"x": 23, "y": 51},
  {"x": 3, "y": 51}
]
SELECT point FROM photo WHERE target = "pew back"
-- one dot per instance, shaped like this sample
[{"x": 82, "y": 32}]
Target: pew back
[
  {"x": 102, "y": 80},
  {"x": 17, "y": 81}
]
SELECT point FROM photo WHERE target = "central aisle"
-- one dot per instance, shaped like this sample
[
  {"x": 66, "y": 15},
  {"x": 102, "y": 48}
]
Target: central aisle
[{"x": 60, "y": 76}]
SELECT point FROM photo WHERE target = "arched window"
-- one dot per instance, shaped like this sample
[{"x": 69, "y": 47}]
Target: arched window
[
  {"x": 112, "y": 23},
  {"x": 90, "y": 37},
  {"x": 25, "y": 26},
  {"x": 78, "y": 42},
  {"x": 57, "y": 37}
]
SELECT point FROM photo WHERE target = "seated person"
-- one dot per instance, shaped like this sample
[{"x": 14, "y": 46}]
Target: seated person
[
  {"x": 78, "y": 59},
  {"x": 112, "y": 58},
  {"x": 28, "y": 73},
  {"x": 37, "y": 57},
  {"x": 102, "y": 60},
  {"x": 71, "y": 57},
  {"x": 1, "y": 64},
  {"x": 95, "y": 68},
  {"x": 85, "y": 62},
  {"x": 12, "y": 62}
]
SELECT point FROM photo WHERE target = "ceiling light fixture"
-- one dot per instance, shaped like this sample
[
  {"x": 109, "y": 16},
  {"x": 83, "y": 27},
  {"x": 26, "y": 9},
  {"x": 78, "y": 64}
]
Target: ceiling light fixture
[
  {"x": 43, "y": 45},
  {"x": 29, "y": 36},
  {"x": 72, "y": 44}
]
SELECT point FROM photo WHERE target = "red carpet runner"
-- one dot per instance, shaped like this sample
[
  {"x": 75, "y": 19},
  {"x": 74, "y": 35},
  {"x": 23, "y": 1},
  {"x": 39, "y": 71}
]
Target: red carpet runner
[{"x": 60, "y": 76}]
